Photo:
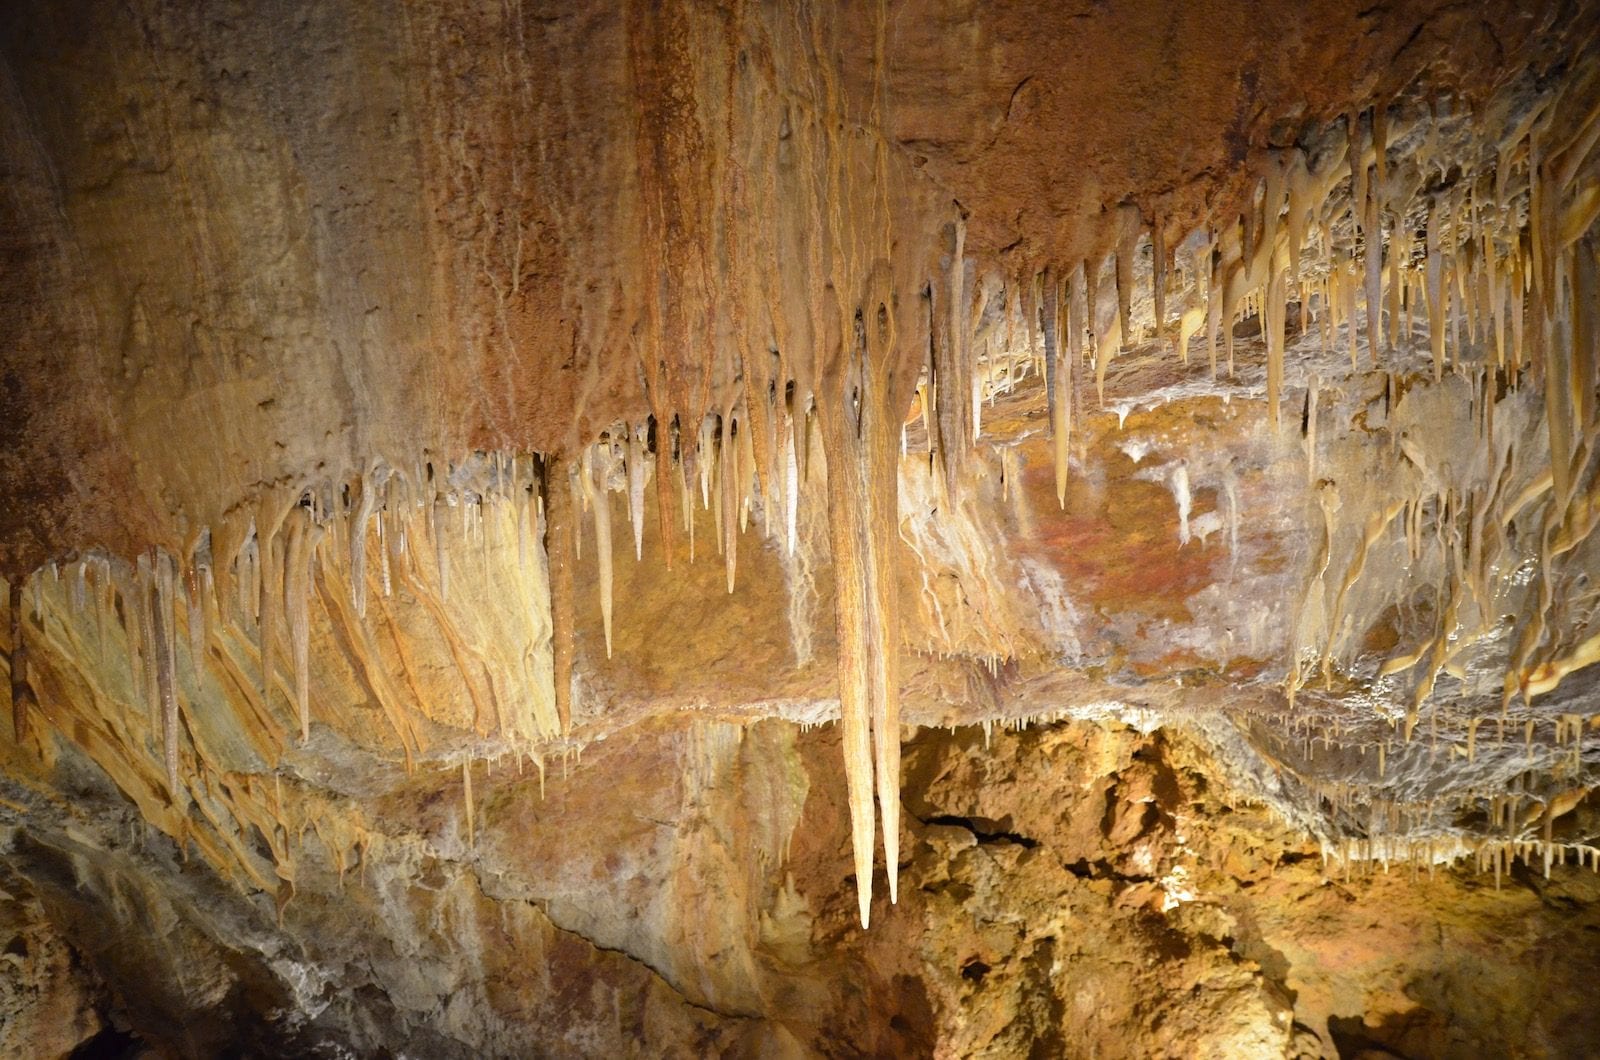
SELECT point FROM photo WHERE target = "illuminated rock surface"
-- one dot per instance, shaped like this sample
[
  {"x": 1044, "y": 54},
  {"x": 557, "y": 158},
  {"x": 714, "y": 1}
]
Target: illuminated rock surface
[{"x": 455, "y": 457}]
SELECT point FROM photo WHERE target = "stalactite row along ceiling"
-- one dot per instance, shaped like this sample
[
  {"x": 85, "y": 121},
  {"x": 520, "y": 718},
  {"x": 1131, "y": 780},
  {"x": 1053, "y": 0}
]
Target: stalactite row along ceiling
[{"x": 403, "y": 387}]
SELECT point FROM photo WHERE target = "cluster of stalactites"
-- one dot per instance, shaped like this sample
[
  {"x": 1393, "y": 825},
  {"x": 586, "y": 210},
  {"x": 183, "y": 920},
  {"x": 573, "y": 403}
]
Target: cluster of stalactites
[
  {"x": 257, "y": 580},
  {"x": 810, "y": 364},
  {"x": 1518, "y": 824},
  {"x": 1475, "y": 783},
  {"x": 1356, "y": 856},
  {"x": 1401, "y": 225},
  {"x": 1505, "y": 270},
  {"x": 752, "y": 459},
  {"x": 715, "y": 466},
  {"x": 1390, "y": 222},
  {"x": 1472, "y": 240},
  {"x": 1500, "y": 258}
]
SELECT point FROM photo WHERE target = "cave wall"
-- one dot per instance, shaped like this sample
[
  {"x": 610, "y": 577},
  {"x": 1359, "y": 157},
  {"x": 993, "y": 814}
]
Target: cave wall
[
  {"x": 1071, "y": 889},
  {"x": 455, "y": 456},
  {"x": 323, "y": 235}
]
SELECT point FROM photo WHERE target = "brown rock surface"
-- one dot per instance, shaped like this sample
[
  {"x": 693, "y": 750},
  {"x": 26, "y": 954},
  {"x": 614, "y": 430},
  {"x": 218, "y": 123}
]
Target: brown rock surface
[
  {"x": 48, "y": 1002},
  {"x": 317, "y": 235},
  {"x": 1079, "y": 889}
]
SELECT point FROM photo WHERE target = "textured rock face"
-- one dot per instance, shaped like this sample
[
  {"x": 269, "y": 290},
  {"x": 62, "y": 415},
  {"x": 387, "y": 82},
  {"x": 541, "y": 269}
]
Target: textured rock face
[
  {"x": 47, "y": 1000},
  {"x": 1082, "y": 889},
  {"x": 319, "y": 235},
  {"x": 455, "y": 455}
]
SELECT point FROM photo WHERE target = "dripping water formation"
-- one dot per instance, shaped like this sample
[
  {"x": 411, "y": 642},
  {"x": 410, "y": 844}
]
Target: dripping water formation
[{"x": 802, "y": 529}]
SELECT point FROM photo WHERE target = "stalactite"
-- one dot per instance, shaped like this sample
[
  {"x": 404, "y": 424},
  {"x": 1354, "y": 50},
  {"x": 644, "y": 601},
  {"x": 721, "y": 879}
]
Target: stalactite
[
  {"x": 1372, "y": 231},
  {"x": 747, "y": 481},
  {"x": 1126, "y": 250},
  {"x": 560, "y": 542},
  {"x": 197, "y": 591},
  {"x": 297, "y": 604},
  {"x": 21, "y": 692},
  {"x": 161, "y": 612},
  {"x": 664, "y": 491},
  {"x": 1058, "y": 368},
  {"x": 146, "y": 664},
  {"x": 1274, "y": 322},
  {"x": 1158, "y": 275},
  {"x": 601, "y": 503},
  {"x": 467, "y": 801},
  {"x": 358, "y": 541},
  {"x": 728, "y": 500},
  {"x": 636, "y": 479},
  {"x": 787, "y": 441}
]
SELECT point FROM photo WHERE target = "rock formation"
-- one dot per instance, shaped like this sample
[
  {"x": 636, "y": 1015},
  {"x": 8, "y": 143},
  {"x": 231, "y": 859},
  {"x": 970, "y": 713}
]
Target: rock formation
[{"x": 908, "y": 528}]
